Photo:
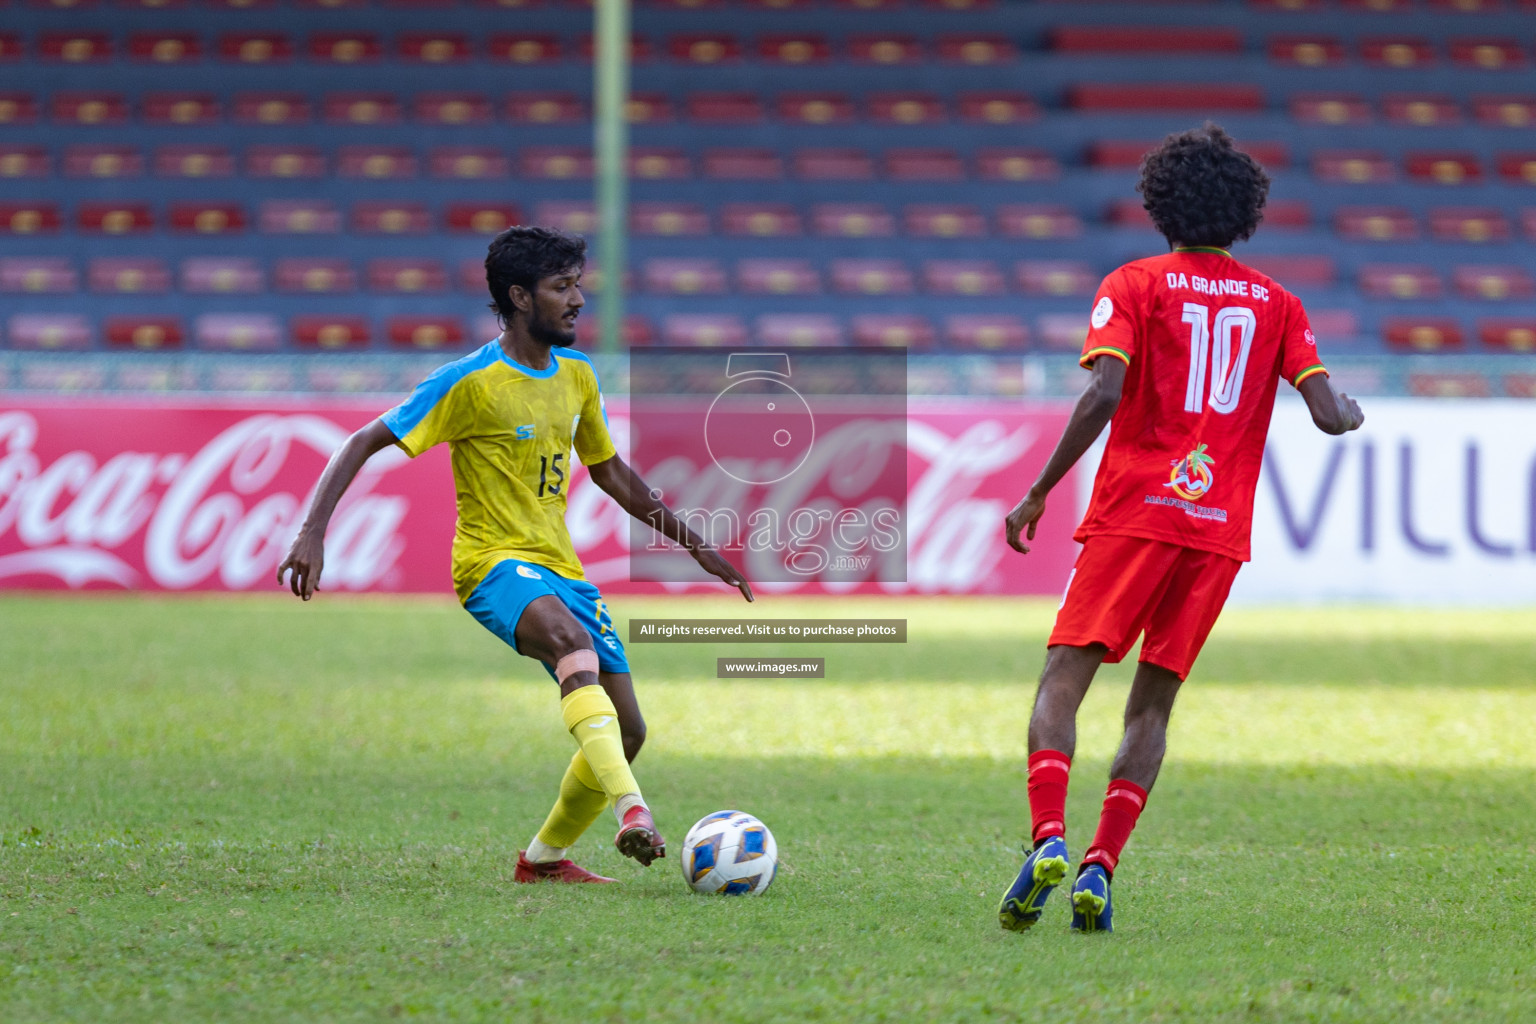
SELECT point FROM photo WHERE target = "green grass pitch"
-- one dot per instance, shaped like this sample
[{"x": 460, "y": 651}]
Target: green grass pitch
[{"x": 250, "y": 809}]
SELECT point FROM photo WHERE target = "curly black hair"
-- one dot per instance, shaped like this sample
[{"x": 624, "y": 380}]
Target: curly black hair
[
  {"x": 1201, "y": 190},
  {"x": 525, "y": 256}
]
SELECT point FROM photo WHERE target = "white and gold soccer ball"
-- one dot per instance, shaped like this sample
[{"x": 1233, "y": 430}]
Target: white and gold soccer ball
[{"x": 730, "y": 852}]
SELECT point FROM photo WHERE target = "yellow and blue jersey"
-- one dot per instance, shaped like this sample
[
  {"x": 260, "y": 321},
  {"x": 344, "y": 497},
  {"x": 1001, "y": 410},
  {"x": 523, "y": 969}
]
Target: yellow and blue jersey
[{"x": 511, "y": 429}]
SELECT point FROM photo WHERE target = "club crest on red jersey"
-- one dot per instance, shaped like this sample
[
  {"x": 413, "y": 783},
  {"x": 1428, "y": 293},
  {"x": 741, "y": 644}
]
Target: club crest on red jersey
[{"x": 1191, "y": 476}]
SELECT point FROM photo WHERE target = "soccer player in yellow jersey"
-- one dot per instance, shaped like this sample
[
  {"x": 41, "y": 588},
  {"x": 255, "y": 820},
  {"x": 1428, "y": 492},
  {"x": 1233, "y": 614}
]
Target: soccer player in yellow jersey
[{"x": 511, "y": 412}]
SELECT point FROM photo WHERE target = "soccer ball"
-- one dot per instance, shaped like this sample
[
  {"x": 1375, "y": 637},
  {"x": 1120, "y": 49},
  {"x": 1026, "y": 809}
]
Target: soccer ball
[{"x": 730, "y": 852}]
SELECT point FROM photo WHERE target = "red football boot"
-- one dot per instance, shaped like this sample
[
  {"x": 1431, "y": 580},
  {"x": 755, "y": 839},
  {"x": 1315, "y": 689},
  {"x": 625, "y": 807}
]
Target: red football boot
[
  {"x": 638, "y": 837},
  {"x": 555, "y": 871}
]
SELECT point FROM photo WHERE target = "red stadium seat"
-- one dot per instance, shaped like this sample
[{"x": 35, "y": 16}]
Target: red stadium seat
[
  {"x": 29, "y": 218},
  {"x": 103, "y": 162},
  {"x": 986, "y": 332},
  {"x": 800, "y": 48},
  {"x": 1305, "y": 51},
  {"x": 1037, "y": 220},
  {"x": 1397, "y": 52},
  {"x": 519, "y": 48},
  {"x": 648, "y": 108},
  {"x": 996, "y": 107},
  {"x": 1147, "y": 96},
  {"x": 1063, "y": 332},
  {"x": 777, "y": 277},
  {"x": 298, "y": 217},
  {"x": 1520, "y": 385},
  {"x": 470, "y": 275},
  {"x": 181, "y": 108},
  {"x": 799, "y": 330},
  {"x": 451, "y": 108},
  {"x": 49, "y": 332},
  {"x": 425, "y": 332},
  {"x": 146, "y": 333},
  {"x": 24, "y": 162},
  {"x": 1055, "y": 277},
  {"x": 852, "y": 220},
  {"x": 871, "y": 5},
  {"x": 962, "y": 277},
  {"x": 88, "y": 107},
  {"x": 555, "y": 162},
  {"x": 1129, "y": 153},
  {"x": 1469, "y": 224},
  {"x": 17, "y": 108},
  {"x": 1127, "y": 213},
  {"x": 892, "y": 331},
  {"x": 833, "y": 165},
  {"x": 743, "y": 164},
  {"x": 713, "y": 48},
  {"x": 1487, "y": 54},
  {"x": 10, "y": 46},
  {"x": 871, "y": 277},
  {"x": 237, "y": 332},
  {"x": 924, "y": 165},
  {"x": 75, "y": 47},
  {"x": 1287, "y": 213},
  {"x": 194, "y": 162},
  {"x": 241, "y": 4},
  {"x": 330, "y": 332},
  {"x": 905, "y": 108},
  {"x": 704, "y": 331},
  {"x": 1494, "y": 283},
  {"x": 1508, "y": 335},
  {"x": 1016, "y": 165},
  {"x": 1423, "y": 384},
  {"x": 1515, "y": 167},
  {"x": 546, "y": 108},
  {"x": 575, "y": 216},
  {"x": 815, "y": 108},
  {"x": 761, "y": 220},
  {"x": 1444, "y": 168},
  {"x": 779, "y": 5},
  {"x": 1375, "y": 223},
  {"x": 481, "y": 218},
  {"x": 1339, "y": 326},
  {"x": 375, "y": 218},
  {"x": 38, "y": 275},
  {"x": 1505, "y": 111},
  {"x": 344, "y": 47},
  {"x": 1296, "y": 271},
  {"x": 724, "y": 107},
  {"x": 433, "y": 47},
  {"x": 1144, "y": 39},
  {"x": 659, "y": 164},
  {"x": 317, "y": 276},
  {"x": 1420, "y": 109},
  {"x": 379, "y": 162},
  {"x": 128, "y": 276},
  {"x": 206, "y": 218},
  {"x": 1399, "y": 281},
  {"x": 1329, "y": 108},
  {"x": 688, "y": 4},
  {"x": 256, "y": 47},
  {"x": 977, "y": 49},
  {"x": 470, "y": 162},
  {"x": 883, "y": 49},
  {"x": 271, "y": 108},
  {"x": 1352, "y": 166},
  {"x": 165, "y": 47},
  {"x": 1422, "y": 334},
  {"x": 284, "y": 162},
  {"x": 361, "y": 108},
  {"x": 943, "y": 220},
  {"x": 215, "y": 275},
  {"x": 407, "y": 277},
  {"x": 684, "y": 277},
  {"x": 669, "y": 219},
  {"x": 114, "y": 218}
]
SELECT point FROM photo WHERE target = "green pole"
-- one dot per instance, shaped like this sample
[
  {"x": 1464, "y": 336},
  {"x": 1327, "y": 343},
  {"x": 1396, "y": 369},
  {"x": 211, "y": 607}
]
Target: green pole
[{"x": 610, "y": 126}]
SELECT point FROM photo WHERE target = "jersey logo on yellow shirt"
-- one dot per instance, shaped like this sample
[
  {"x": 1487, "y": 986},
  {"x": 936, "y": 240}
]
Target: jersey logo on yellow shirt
[{"x": 525, "y": 432}]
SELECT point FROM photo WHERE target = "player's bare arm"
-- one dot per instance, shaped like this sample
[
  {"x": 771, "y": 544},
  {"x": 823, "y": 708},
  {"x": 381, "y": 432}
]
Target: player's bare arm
[
  {"x": 306, "y": 556},
  {"x": 1095, "y": 406},
  {"x": 625, "y": 486},
  {"x": 1334, "y": 412}
]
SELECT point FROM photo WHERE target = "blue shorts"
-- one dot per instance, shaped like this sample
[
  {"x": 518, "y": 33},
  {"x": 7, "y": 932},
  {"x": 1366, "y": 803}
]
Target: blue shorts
[{"x": 498, "y": 603}]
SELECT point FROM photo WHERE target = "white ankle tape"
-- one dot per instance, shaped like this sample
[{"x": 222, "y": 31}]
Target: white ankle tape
[{"x": 576, "y": 661}]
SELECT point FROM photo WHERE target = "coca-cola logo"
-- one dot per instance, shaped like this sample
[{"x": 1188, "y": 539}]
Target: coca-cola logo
[{"x": 220, "y": 513}]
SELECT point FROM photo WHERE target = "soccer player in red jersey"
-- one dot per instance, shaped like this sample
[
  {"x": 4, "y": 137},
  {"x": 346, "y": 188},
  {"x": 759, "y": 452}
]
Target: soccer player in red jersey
[{"x": 1187, "y": 350}]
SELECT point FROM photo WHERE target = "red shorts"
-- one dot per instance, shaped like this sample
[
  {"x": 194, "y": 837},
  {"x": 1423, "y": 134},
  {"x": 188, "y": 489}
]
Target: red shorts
[{"x": 1123, "y": 585}]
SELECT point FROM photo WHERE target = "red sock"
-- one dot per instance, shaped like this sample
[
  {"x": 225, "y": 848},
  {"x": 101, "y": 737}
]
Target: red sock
[
  {"x": 1048, "y": 771},
  {"x": 1122, "y": 806}
]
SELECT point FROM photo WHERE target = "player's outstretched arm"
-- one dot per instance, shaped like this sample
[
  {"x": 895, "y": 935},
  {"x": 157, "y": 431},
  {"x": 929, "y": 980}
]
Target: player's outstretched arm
[
  {"x": 1334, "y": 412},
  {"x": 1095, "y": 406},
  {"x": 306, "y": 555},
  {"x": 624, "y": 485}
]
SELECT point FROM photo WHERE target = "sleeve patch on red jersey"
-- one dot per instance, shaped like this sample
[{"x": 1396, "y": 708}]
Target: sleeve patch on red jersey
[
  {"x": 1104, "y": 350},
  {"x": 1102, "y": 312},
  {"x": 1308, "y": 372}
]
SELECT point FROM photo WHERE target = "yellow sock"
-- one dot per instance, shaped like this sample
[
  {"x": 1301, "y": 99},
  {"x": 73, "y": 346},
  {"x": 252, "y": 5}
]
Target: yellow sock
[
  {"x": 581, "y": 800},
  {"x": 591, "y": 718}
]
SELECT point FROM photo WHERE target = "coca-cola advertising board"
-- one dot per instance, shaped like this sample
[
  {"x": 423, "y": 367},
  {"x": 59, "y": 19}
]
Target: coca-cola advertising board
[{"x": 201, "y": 495}]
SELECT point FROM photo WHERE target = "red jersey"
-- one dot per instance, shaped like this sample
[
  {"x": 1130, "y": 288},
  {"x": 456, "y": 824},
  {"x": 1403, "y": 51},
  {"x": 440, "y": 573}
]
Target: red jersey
[{"x": 1206, "y": 340}]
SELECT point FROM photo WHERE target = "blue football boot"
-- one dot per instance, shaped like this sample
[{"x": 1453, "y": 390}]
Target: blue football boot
[
  {"x": 1043, "y": 871},
  {"x": 1091, "y": 911}
]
